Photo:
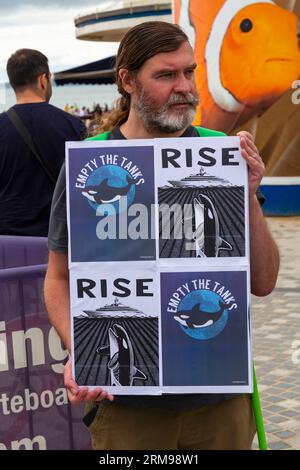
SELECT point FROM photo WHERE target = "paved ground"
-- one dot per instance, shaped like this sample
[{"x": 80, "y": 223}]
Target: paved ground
[{"x": 276, "y": 342}]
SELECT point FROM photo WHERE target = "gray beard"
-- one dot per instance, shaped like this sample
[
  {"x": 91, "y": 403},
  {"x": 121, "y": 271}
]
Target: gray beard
[{"x": 163, "y": 121}]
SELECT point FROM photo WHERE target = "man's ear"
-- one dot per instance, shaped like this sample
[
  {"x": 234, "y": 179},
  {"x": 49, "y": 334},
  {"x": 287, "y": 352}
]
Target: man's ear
[
  {"x": 43, "y": 81},
  {"x": 127, "y": 79}
]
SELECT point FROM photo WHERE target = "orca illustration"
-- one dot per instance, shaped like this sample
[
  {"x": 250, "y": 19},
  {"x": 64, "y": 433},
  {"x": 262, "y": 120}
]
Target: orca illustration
[
  {"x": 103, "y": 193},
  {"x": 121, "y": 363},
  {"x": 207, "y": 229},
  {"x": 197, "y": 318}
]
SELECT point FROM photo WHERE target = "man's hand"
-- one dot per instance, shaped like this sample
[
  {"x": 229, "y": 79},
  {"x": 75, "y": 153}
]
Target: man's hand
[
  {"x": 264, "y": 255},
  {"x": 76, "y": 395},
  {"x": 255, "y": 164}
]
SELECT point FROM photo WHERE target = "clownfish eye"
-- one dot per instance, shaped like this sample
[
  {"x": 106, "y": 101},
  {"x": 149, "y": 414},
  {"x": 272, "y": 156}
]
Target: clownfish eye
[{"x": 246, "y": 25}]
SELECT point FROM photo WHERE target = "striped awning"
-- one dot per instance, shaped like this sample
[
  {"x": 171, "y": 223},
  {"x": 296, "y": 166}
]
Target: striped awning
[{"x": 98, "y": 72}]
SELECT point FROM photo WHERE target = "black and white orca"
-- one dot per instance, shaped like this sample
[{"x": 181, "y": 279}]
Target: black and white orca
[
  {"x": 121, "y": 363},
  {"x": 197, "y": 318},
  {"x": 207, "y": 229},
  {"x": 104, "y": 194}
]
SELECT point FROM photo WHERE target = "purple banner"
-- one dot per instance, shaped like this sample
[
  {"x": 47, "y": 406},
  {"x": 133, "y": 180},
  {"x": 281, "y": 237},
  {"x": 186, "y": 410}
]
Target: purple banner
[{"x": 34, "y": 410}]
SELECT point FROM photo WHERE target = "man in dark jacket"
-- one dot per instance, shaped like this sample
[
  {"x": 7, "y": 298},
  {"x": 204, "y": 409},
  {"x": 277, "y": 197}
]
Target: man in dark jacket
[{"x": 25, "y": 186}]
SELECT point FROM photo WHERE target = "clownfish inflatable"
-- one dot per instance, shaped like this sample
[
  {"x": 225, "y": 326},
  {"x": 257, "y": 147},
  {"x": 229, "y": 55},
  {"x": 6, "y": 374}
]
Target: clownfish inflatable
[{"x": 247, "y": 53}]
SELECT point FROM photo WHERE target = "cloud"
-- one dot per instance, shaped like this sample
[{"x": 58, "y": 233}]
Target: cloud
[
  {"x": 52, "y": 31},
  {"x": 20, "y": 4}
]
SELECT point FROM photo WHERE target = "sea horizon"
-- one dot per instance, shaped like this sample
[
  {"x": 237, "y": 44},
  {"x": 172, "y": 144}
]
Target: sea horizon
[{"x": 71, "y": 94}]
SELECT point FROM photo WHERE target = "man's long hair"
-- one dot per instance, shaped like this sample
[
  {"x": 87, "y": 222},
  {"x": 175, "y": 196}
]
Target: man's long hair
[{"x": 138, "y": 45}]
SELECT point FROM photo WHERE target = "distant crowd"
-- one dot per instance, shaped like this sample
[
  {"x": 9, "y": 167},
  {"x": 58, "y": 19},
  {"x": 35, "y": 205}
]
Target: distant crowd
[{"x": 90, "y": 117}]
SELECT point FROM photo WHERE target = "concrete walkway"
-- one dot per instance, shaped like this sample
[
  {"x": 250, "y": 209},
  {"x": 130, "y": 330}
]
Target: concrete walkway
[{"x": 276, "y": 342}]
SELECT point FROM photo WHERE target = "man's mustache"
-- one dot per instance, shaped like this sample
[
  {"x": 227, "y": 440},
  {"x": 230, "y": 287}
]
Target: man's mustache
[{"x": 183, "y": 98}]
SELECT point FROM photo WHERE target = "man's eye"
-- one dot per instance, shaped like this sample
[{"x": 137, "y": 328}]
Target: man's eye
[{"x": 165, "y": 75}]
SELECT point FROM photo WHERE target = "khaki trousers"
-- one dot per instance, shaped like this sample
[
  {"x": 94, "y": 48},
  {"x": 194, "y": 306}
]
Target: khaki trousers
[{"x": 227, "y": 425}]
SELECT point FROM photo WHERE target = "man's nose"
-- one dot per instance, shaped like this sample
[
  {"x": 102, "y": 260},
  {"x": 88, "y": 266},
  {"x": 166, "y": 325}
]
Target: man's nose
[{"x": 182, "y": 84}]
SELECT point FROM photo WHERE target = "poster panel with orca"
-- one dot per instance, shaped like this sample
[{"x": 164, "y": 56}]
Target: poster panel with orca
[
  {"x": 202, "y": 196},
  {"x": 115, "y": 326},
  {"x": 206, "y": 331},
  {"x": 110, "y": 194}
]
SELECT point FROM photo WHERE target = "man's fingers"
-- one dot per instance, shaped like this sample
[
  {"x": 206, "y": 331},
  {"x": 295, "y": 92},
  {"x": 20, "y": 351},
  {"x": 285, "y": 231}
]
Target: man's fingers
[
  {"x": 100, "y": 394},
  {"x": 253, "y": 162},
  {"x": 84, "y": 395},
  {"x": 248, "y": 144},
  {"x": 246, "y": 134},
  {"x": 252, "y": 148},
  {"x": 69, "y": 382},
  {"x": 95, "y": 395},
  {"x": 77, "y": 395},
  {"x": 251, "y": 156}
]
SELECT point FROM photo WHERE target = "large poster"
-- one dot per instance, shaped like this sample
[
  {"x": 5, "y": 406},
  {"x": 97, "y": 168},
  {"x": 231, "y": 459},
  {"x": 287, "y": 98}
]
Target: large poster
[
  {"x": 115, "y": 323},
  {"x": 159, "y": 265},
  {"x": 202, "y": 184},
  {"x": 204, "y": 328},
  {"x": 108, "y": 185}
]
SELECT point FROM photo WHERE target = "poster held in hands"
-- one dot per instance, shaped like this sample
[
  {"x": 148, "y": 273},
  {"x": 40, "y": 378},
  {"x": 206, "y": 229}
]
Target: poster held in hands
[{"x": 159, "y": 265}]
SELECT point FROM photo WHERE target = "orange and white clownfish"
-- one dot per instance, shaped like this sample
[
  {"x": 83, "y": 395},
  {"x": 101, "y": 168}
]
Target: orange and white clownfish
[{"x": 247, "y": 54}]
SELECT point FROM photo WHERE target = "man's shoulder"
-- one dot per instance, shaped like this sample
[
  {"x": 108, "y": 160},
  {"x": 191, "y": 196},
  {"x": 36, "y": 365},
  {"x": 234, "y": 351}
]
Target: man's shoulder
[
  {"x": 40, "y": 108},
  {"x": 44, "y": 109},
  {"x": 58, "y": 118},
  {"x": 43, "y": 118},
  {"x": 60, "y": 112}
]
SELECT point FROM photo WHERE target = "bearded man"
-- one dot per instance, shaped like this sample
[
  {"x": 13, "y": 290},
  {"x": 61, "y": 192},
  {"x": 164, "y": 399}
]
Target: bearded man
[{"x": 155, "y": 76}]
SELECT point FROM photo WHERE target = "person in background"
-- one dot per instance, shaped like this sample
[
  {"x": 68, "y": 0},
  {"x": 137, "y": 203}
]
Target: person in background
[
  {"x": 28, "y": 171},
  {"x": 155, "y": 76}
]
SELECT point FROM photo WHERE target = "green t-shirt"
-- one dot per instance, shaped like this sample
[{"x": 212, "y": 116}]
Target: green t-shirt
[{"x": 201, "y": 131}]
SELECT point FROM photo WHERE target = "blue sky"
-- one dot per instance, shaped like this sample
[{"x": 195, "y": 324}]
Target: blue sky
[{"x": 48, "y": 25}]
